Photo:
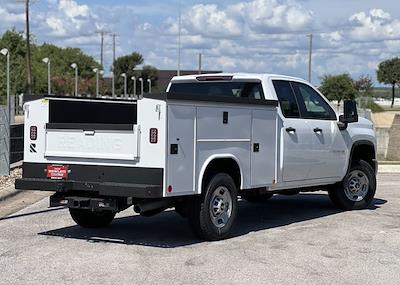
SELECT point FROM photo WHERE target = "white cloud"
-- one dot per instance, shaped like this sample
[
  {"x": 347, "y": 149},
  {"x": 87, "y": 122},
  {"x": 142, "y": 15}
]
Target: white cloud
[
  {"x": 211, "y": 22},
  {"x": 10, "y": 18},
  {"x": 240, "y": 35},
  {"x": 72, "y": 9},
  {"x": 272, "y": 16},
  {"x": 67, "y": 18},
  {"x": 375, "y": 25}
]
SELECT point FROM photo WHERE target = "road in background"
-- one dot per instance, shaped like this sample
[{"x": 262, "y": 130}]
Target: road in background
[{"x": 288, "y": 240}]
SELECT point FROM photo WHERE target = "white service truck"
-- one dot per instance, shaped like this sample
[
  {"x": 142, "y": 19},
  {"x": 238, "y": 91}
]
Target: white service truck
[{"x": 198, "y": 147}]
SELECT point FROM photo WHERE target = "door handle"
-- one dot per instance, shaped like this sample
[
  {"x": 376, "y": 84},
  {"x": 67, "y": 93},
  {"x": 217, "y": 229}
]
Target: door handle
[
  {"x": 89, "y": 132},
  {"x": 290, "y": 130},
  {"x": 317, "y": 130}
]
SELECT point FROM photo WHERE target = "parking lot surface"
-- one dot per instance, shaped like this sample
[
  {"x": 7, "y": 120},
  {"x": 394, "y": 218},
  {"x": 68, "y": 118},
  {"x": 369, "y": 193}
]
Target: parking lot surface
[{"x": 299, "y": 239}]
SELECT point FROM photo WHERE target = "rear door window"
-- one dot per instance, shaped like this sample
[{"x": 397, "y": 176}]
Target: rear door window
[
  {"x": 252, "y": 90},
  {"x": 286, "y": 98}
]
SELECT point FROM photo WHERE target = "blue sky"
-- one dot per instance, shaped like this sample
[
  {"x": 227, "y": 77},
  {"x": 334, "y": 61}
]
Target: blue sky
[{"x": 350, "y": 36}]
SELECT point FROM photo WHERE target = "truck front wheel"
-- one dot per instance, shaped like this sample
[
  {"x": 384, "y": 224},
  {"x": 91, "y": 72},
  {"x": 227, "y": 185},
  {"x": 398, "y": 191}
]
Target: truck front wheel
[
  {"x": 357, "y": 190},
  {"x": 213, "y": 213},
  {"x": 89, "y": 219}
]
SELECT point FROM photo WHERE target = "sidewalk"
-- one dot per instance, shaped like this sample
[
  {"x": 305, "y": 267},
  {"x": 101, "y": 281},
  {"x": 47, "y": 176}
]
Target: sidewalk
[{"x": 389, "y": 168}]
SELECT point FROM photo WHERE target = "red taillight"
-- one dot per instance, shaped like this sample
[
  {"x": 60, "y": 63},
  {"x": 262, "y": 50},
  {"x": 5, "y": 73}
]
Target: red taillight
[
  {"x": 33, "y": 133},
  {"x": 169, "y": 189},
  {"x": 153, "y": 135}
]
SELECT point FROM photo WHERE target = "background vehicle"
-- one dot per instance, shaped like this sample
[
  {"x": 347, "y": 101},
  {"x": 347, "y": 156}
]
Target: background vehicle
[{"x": 207, "y": 141}]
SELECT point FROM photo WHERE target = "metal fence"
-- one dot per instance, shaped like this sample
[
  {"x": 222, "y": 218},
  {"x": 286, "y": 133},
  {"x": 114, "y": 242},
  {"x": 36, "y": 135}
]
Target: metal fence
[
  {"x": 4, "y": 142},
  {"x": 16, "y": 143},
  {"x": 5, "y": 137}
]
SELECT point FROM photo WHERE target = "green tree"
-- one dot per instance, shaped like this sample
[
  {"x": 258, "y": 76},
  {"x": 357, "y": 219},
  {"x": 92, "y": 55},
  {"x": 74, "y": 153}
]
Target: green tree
[
  {"x": 338, "y": 87},
  {"x": 389, "y": 73},
  {"x": 61, "y": 72},
  {"x": 364, "y": 86},
  {"x": 149, "y": 72},
  {"x": 14, "y": 42},
  {"x": 127, "y": 64}
]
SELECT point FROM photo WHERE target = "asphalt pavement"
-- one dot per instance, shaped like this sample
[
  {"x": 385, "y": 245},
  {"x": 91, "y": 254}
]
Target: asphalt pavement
[{"x": 299, "y": 239}]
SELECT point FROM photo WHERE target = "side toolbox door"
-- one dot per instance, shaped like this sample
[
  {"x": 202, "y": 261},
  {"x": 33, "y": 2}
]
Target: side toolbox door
[
  {"x": 263, "y": 147},
  {"x": 180, "y": 148}
]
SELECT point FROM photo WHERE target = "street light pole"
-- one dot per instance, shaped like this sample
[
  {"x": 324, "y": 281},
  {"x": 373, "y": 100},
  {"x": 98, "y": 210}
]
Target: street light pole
[
  {"x": 46, "y": 60},
  {"x": 75, "y": 66},
  {"x": 200, "y": 58},
  {"x": 310, "y": 56},
  {"x": 125, "y": 84},
  {"x": 96, "y": 70},
  {"x": 6, "y": 53},
  {"x": 134, "y": 86},
  {"x": 141, "y": 86},
  {"x": 149, "y": 81}
]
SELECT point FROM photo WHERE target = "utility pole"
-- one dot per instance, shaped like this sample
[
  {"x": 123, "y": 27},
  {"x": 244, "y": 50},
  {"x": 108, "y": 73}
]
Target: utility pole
[
  {"x": 28, "y": 49},
  {"x": 310, "y": 56},
  {"x": 112, "y": 66},
  {"x": 102, "y": 33},
  {"x": 200, "y": 63},
  {"x": 102, "y": 48},
  {"x": 179, "y": 37},
  {"x": 28, "y": 44}
]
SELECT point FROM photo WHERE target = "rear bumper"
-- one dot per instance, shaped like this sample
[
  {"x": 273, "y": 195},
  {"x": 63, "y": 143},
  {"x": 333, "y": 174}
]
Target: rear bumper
[
  {"x": 101, "y": 180},
  {"x": 104, "y": 189}
]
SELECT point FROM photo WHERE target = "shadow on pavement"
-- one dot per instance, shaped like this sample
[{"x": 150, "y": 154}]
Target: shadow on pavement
[
  {"x": 169, "y": 230},
  {"x": 31, "y": 213}
]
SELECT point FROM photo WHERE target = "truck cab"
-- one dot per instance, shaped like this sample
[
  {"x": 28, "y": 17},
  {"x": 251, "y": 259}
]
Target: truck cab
[{"x": 207, "y": 141}]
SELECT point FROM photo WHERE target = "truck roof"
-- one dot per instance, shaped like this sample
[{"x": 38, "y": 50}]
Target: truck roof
[{"x": 244, "y": 76}]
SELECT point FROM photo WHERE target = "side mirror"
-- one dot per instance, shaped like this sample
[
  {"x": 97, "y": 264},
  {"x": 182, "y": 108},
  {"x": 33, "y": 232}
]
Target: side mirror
[{"x": 350, "y": 112}]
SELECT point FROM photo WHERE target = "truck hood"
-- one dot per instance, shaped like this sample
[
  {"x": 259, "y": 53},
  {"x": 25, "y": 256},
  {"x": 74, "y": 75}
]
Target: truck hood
[{"x": 362, "y": 123}]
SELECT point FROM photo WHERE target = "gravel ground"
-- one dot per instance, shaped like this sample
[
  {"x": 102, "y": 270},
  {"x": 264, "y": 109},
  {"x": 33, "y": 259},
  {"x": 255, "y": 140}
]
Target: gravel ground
[
  {"x": 8, "y": 181},
  {"x": 298, "y": 239}
]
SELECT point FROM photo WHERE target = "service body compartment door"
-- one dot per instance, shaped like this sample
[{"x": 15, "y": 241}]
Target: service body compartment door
[
  {"x": 92, "y": 144},
  {"x": 263, "y": 150},
  {"x": 181, "y": 143}
]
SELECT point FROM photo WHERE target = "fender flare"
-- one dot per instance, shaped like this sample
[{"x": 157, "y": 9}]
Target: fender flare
[
  {"x": 356, "y": 144},
  {"x": 211, "y": 159}
]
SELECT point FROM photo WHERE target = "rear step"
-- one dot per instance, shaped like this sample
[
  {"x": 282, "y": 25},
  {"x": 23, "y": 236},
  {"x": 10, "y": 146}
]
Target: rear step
[{"x": 94, "y": 204}]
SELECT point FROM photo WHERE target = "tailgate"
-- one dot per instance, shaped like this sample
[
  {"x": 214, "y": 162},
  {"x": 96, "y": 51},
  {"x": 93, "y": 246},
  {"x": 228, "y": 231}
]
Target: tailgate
[{"x": 92, "y": 130}]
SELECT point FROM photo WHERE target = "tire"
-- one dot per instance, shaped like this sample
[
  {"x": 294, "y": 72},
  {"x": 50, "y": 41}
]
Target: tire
[
  {"x": 213, "y": 213},
  {"x": 357, "y": 190},
  {"x": 256, "y": 197},
  {"x": 89, "y": 219}
]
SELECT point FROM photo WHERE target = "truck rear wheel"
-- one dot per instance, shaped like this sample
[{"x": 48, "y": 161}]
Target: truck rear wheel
[
  {"x": 357, "y": 190},
  {"x": 213, "y": 213},
  {"x": 89, "y": 219}
]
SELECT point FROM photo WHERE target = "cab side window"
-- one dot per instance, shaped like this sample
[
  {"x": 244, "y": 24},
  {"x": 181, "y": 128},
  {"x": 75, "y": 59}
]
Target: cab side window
[
  {"x": 286, "y": 98},
  {"x": 312, "y": 105}
]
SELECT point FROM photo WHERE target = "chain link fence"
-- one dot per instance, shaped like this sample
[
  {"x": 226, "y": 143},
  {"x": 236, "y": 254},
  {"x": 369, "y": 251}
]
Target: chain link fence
[{"x": 5, "y": 137}]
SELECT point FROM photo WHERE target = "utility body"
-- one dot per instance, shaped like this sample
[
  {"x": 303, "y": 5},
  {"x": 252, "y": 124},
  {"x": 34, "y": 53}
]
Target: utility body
[{"x": 198, "y": 147}]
